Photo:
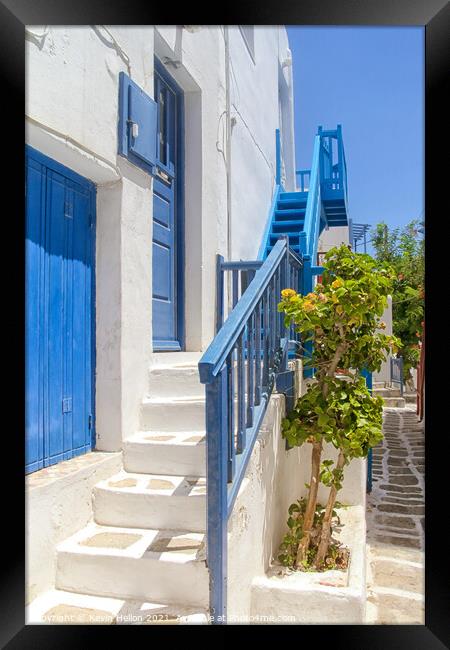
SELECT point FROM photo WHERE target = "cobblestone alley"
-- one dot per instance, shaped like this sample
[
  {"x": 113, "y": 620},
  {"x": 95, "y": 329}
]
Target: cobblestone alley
[{"x": 395, "y": 522}]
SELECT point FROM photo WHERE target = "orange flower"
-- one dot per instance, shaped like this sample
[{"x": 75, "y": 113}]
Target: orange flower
[{"x": 288, "y": 293}]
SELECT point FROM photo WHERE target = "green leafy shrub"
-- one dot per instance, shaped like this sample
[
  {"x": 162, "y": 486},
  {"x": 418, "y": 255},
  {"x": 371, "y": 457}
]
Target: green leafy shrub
[{"x": 341, "y": 317}]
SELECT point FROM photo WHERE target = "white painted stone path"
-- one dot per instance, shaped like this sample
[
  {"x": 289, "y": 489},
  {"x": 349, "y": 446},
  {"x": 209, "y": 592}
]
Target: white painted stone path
[{"x": 395, "y": 522}]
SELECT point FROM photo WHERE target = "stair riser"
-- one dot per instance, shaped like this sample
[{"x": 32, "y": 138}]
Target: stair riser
[
  {"x": 134, "y": 510},
  {"x": 293, "y": 237},
  {"x": 146, "y": 579},
  {"x": 174, "y": 381},
  {"x": 291, "y": 205},
  {"x": 293, "y": 196},
  {"x": 289, "y": 215},
  {"x": 172, "y": 460},
  {"x": 173, "y": 416}
]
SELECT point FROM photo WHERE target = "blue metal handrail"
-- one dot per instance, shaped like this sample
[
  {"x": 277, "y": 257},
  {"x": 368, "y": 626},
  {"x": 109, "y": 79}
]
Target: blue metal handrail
[
  {"x": 396, "y": 372},
  {"x": 240, "y": 368},
  {"x": 313, "y": 203},
  {"x": 333, "y": 175}
]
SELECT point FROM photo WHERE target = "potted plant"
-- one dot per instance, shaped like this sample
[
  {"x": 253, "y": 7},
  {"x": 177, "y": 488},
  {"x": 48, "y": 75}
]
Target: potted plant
[{"x": 341, "y": 318}]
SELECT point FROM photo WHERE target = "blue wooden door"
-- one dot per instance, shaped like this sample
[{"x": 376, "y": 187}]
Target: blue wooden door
[
  {"x": 59, "y": 327},
  {"x": 167, "y": 217}
]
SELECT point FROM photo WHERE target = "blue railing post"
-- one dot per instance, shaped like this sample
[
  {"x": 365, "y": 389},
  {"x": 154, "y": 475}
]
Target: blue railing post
[
  {"x": 401, "y": 375},
  {"x": 368, "y": 377},
  {"x": 219, "y": 292},
  {"x": 306, "y": 287},
  {"x": 285, "y": 380},
  {"x": 278, "y": 156},
  {"x": 340, "y": 157},
  {"x": 321, "y": 160},
  {"x": 217, "y": 472}
]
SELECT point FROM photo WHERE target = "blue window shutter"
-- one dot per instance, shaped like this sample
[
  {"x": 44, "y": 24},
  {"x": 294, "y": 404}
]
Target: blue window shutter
[
  {"x": 143, "y": 115},
  {"x": 137, "y": 124}
]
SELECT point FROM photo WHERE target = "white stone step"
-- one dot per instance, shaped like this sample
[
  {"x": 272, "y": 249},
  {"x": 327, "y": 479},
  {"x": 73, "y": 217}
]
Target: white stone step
[
  {"x": 397, "y": 402},
  {"x": 175, "y": 358},
  {"x": 387, "y": 392},
  {"x": 151, "y": 501},
  {"x": 173, "y": 414},
  {"x": 172, "y": 380},
  {"x": 58, "y": 607},
  {"x": 172, "y": 453},
  {"x": 160, "y": 566}
]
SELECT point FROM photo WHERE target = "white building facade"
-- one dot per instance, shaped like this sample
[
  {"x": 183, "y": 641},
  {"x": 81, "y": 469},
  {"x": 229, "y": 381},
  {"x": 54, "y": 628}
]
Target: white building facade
[
  {"x": 72, "y": 115},
  {"x": 146, "y": 235}
]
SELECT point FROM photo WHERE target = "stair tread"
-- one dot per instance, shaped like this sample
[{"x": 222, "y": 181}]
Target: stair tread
[
  {"x": 289, "y": 211},
  {"x": 175, "y": 358},
  {"x": 139, "y": 543},
  {"x": 174, "y": 366},
  {"x": 289, "y": 196},
  {"x": 158, "y": 484},
  {"x": 191, "y": 438},
  {"x": 288, "y": 222},
  {"x": 58, "y": 605},
  {"x": 177, "y": 399}
]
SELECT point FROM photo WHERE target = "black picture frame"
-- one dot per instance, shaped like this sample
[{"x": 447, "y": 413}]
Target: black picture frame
[{"x": 435, "y": 16}]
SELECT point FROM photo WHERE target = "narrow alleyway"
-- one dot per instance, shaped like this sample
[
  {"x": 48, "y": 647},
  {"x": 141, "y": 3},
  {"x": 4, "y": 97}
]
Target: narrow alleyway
[{"x": 395, "y": 522}]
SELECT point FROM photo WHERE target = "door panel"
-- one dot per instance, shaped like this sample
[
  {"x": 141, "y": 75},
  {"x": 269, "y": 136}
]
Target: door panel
[
  {"x": 34, "y": 416},
  {"x": 59, "y": 312},
  {"x": 167, "y": 266}
]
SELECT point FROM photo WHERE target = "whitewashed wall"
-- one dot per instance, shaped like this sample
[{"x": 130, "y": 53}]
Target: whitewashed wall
[
  {"x": 384, "y": 375},
  {"x": 331, "y": 237},
  {"x": 274, "y": 479},
  {"x": 255, "y": 106},
  {"x": 71, "y": 116}
]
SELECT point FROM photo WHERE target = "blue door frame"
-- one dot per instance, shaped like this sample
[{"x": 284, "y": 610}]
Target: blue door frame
[
  {"x": 168, "y": 216},
  {"x": 60, "y": 312}
]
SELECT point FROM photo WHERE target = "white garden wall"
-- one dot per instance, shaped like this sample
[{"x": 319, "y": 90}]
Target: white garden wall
[{"x": 274, "y": 479}]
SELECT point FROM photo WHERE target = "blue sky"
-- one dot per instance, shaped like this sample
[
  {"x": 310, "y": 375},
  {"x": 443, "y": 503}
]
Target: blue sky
[{"x": 370, "y": 80}]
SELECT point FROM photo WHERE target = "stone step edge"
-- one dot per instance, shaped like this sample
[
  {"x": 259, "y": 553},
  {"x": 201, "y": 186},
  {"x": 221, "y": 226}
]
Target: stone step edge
[
  {"x": 142, "y": 477},
  {"x": 184, "y": 399},
  {"x": 179, "y": 437},
  {"x": 120, "y": 610},
  {"x": 72, "y": 545}
]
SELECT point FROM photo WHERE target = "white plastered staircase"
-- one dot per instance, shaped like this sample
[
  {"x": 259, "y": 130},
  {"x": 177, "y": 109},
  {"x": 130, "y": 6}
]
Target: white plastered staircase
[{"x": 142, "y": 558}]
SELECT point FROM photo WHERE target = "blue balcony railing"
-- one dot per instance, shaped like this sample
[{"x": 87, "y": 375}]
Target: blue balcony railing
[{"x": 239, "y": 368}]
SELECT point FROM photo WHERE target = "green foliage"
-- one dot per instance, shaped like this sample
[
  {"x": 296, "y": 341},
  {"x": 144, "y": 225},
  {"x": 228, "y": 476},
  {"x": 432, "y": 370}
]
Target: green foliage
[
  {"x": 349, "y": 417},
  {"x": 344, "y": 311},
  {"x": 404, "y": 250},
  {"x": 289, "y": 546}
]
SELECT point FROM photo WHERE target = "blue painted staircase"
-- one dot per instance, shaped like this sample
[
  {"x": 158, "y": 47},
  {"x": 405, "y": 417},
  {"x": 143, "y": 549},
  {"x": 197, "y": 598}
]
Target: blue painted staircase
[
  {"x": 319, "y": 202},
  {"x": 288, "y": 219}
]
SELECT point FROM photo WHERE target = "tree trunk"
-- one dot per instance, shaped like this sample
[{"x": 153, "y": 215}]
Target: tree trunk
[
  {"x": 326, "y": 522},
  {"x": 312, "y": 501},
  {"x": 315, "y": 471}
]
